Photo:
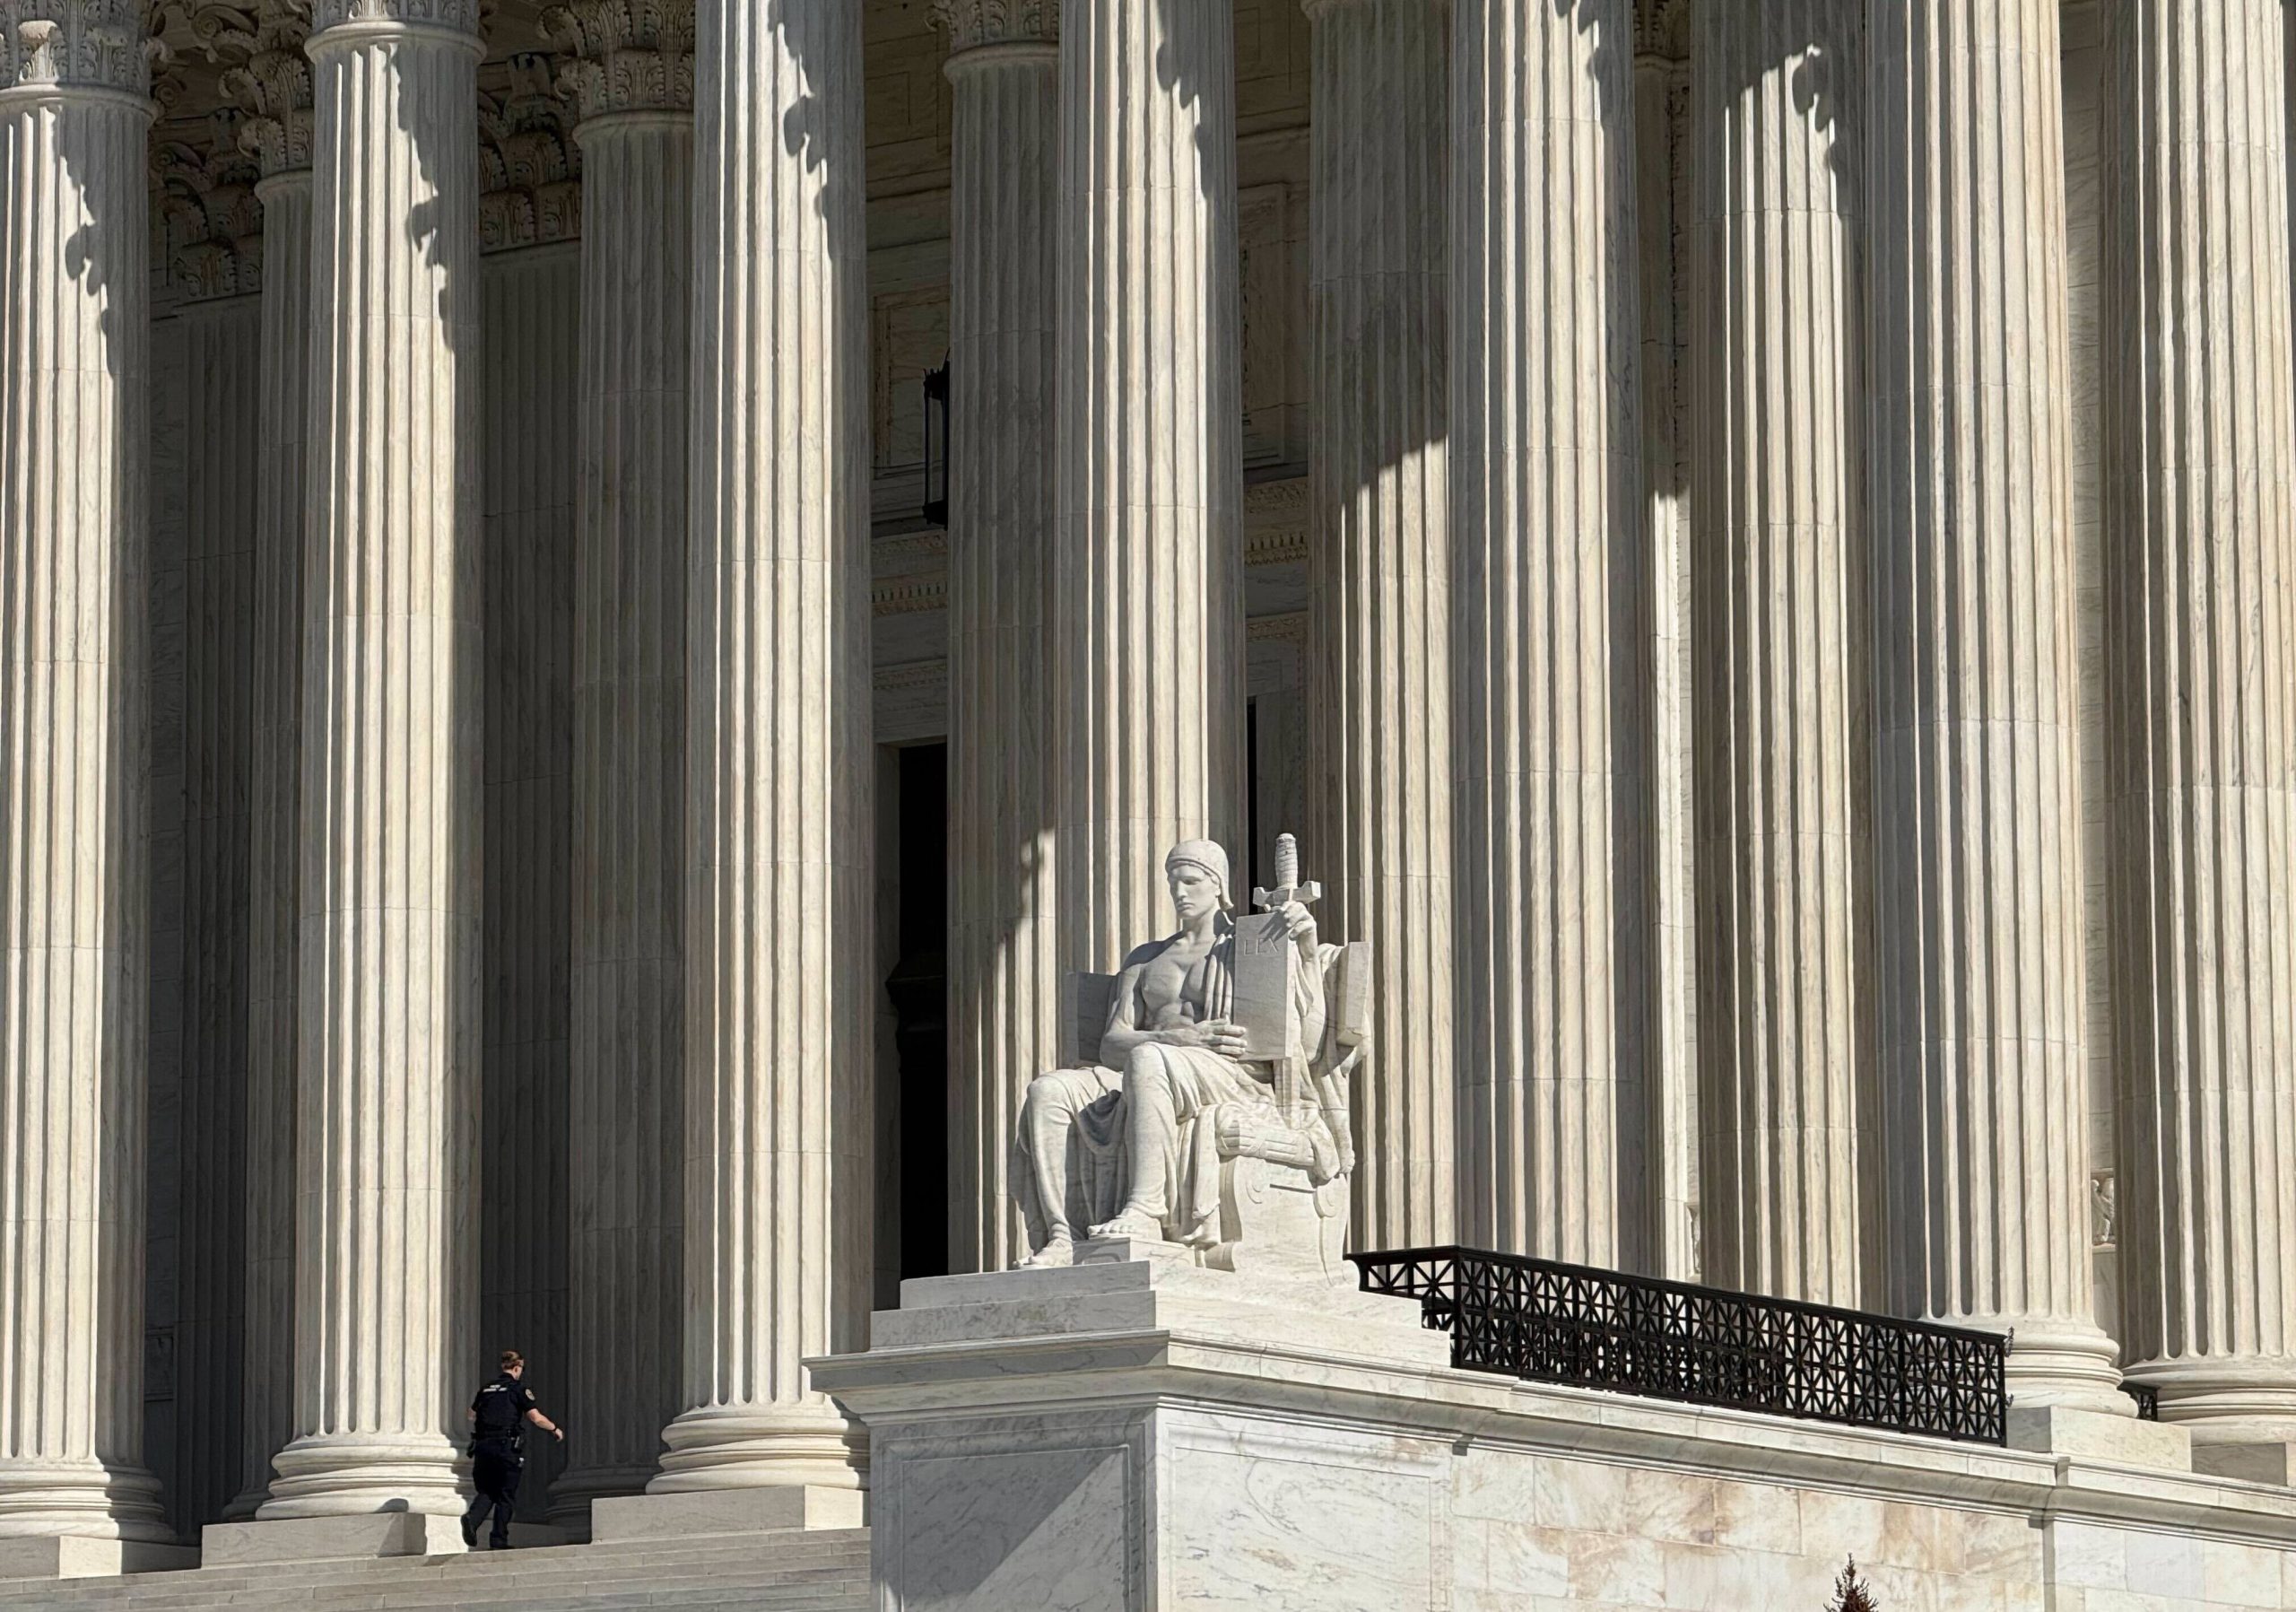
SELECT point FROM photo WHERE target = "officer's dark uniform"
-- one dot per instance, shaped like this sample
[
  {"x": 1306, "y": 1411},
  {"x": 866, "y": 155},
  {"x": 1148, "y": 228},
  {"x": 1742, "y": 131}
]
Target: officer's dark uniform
[{"x": 501, "y": 1408}]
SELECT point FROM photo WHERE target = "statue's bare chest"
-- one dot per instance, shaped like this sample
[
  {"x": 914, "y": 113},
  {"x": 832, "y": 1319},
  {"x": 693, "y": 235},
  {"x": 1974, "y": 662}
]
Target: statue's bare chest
[{"x": 1172, "y": 987}]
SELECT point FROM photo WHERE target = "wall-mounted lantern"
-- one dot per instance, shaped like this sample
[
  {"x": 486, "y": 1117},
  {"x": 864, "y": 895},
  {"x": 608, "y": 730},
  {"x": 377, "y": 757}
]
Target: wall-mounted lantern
[{"x": 936, "y": 445}]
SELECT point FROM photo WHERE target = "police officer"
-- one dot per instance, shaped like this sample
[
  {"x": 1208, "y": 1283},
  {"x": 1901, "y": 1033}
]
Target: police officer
[{"x": 498, "y": 1418}]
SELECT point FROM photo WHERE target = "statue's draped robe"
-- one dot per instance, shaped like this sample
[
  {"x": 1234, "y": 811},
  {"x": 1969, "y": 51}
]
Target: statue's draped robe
[{"x": 1202, "y": 1082}]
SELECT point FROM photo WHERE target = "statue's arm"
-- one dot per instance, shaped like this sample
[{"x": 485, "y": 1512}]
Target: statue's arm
[
  {"x": 1307, "y": 1004},
  {"x": 1123, "y": 1032}
]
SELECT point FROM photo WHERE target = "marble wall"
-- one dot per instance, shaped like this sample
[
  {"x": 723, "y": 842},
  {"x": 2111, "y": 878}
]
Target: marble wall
[{"x": 1118, "y": 1436}]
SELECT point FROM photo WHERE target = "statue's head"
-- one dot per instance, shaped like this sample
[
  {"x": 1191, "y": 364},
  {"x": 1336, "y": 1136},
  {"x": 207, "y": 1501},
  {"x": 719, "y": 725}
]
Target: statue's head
[{"x": 1197, "y": 872}]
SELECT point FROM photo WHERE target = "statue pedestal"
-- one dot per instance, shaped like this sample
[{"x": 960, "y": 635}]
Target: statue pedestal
[
  {"x": 1147, "y": 1436},
  {"x": 1138, "y": 1434}
]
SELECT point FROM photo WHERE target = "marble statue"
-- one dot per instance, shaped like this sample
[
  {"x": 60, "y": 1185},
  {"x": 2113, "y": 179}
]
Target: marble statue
[{"x": 1204, "y": 1113}]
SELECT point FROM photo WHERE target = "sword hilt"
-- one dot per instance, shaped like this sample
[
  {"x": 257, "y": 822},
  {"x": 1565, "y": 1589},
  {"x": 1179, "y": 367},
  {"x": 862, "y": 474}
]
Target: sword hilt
[{"x": 1288, "y": 886}]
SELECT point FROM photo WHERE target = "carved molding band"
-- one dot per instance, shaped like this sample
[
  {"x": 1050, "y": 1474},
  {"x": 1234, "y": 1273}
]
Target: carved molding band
[
  {"x": 460, "y": 16},
  {"x": 78, "y": 43},
  {"x": 971, "y": 24},
  {"x": 627, "y": 55}
]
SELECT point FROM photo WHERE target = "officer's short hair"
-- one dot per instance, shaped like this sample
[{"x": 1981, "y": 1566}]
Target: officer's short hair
[{"x": 512, "y": 1359}]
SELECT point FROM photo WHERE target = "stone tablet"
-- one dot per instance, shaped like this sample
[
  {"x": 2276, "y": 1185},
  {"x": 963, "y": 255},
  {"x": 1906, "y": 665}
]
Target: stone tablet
[{"x": 1264, "y": 961}]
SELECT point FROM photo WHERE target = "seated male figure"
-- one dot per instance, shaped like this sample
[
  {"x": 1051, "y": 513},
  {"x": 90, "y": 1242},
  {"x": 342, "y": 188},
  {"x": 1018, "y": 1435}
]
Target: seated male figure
[{"x": 1116, "y": 1148}]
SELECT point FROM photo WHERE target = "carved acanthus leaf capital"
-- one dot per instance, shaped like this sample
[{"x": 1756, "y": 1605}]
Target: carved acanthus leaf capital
[
  {"x": 971, "y": 24},
  {"x": 80, "y": 44},
  {"x": 269, "y": 79},
  {"x": 210, "y": 223},
  {"x": 625, "y": 55},
  {"x": 530, "y": 171}
]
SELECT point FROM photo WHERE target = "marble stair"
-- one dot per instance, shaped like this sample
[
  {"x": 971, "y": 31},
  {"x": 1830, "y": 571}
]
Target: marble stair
[{"x": 823, "y": 1572}]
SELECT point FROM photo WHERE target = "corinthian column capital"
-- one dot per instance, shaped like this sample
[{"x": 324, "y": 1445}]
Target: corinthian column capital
[
  {"x": 51, "y": 45},
  {"x": 973, "y": 23},
  {"x": 270, "y": 81},
  {"x": 627, "y": 55},
  {"x": 210, "y": 219},
  {"x": 529, "y": 167}
]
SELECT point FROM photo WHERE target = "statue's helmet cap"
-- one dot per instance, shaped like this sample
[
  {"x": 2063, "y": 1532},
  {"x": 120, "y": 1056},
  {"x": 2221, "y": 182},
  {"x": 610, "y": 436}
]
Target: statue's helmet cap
[{"x": 1200, "y": 853}]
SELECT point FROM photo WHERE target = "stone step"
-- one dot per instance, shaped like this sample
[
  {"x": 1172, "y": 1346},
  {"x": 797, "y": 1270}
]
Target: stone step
[
  {"x": 827, "y": 1572},
  {"x": 854, "y": 1597},
  {"x": 199, "y": 1588},
  {"x": 843, "y": 1587},
  {"x": 847, "y": 1593},
  {"x": 384, "y": 1588},
  {"x": 851, "y": 1591}
]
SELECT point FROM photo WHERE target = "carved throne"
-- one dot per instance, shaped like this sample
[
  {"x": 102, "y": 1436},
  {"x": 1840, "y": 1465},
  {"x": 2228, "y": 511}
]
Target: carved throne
[{"x": 1286, "y": 1164}]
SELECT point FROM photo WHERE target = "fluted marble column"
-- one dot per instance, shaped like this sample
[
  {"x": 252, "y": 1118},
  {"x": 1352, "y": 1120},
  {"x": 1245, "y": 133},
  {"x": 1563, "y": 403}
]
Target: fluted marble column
[
  {"x": 1380, "y": 579},
  {"x": 1664, "y": 215},
  {"x": 1149, "y": 615},
  {"x": 74, "y": 111},
  {"x": 780, "y": 987},
  {"x": 388, "y": 1016},
  {"x": 633, "y": 78},
  {"x": 1004, "y": 793},
  {"x": 273, "y": 87},
  {"x": 1779, "y": 582},
  {"x": 1547, "y": 529},
  {"x": 223, "y": 358},
  {"x": 1978, "y": 868},
  {"x": 2201, "y": 705}
]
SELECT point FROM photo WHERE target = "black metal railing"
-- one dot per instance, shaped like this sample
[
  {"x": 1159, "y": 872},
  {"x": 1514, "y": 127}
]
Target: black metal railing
[
  {"x": 2148, "y": 1397},
  {"x": 1549, "y": 1322}
]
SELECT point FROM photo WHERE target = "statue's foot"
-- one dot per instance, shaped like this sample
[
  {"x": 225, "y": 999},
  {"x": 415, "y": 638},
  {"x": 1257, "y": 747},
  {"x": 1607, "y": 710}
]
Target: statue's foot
[
  {"x": 1130, "y": 1226},
  {"x": 1057, "y": 1250}
]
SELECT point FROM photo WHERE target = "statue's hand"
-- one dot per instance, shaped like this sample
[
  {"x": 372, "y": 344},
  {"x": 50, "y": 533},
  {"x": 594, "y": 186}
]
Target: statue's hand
[
  {"x": 1300, "y": 924},
  {"x": 1216, "y": 1036}
]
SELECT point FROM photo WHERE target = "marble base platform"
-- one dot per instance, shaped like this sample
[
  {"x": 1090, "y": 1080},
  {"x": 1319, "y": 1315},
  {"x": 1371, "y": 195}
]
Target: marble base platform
[
  {"x": 2272, "y": 1461},
  {"x": 70, "y": 1557},
  {"x": 2068, "y": 1430},
  {"x": 329, "y": 1538},
  {"x": 1142, "y": 1436},
  {"x": 638, "y": 1518}
]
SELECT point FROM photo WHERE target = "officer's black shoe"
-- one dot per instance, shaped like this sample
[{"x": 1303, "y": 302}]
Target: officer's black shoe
[{"x": 470, "y": 1534}]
